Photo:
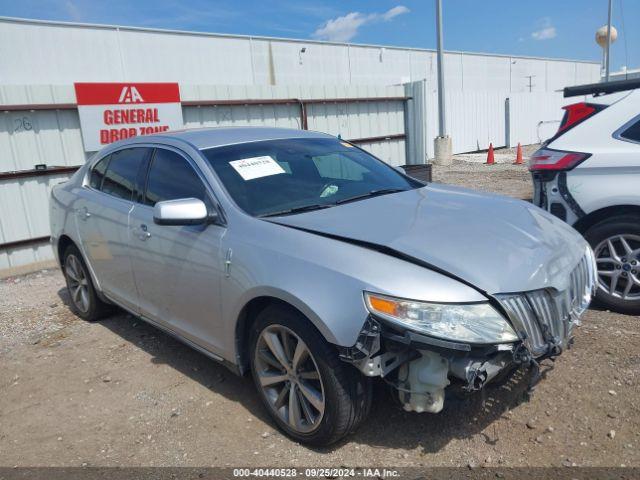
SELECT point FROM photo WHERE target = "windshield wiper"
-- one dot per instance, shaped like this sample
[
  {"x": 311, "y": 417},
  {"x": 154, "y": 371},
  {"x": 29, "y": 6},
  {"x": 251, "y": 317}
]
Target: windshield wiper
[
  {"x": 289, "y": 211},
  {"x": 320, "y": 206},
  {"x": 372, "y": 193}
]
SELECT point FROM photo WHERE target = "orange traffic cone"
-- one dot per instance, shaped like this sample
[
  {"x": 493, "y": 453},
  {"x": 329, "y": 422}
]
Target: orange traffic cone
[
  {"x": 518, "y": 155},
  {"x": 490, "y": 159}
]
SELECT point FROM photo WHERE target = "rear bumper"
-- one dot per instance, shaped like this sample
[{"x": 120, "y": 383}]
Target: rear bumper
[{"x": 550, "y": 192}]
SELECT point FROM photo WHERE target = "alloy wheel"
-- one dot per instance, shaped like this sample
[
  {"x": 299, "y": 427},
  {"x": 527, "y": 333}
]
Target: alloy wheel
[
  {"x": 618, "y": 259},
  {"x": 289, "y": 378},
  {"x": 77, "y": 282}
]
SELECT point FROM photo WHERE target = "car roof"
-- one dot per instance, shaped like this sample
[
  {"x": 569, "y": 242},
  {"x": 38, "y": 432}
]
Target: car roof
[{"x": 203, "y": 138}]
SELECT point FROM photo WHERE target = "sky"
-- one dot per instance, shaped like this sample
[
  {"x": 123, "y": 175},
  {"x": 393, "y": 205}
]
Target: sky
[{"x": 548, "y": 28}]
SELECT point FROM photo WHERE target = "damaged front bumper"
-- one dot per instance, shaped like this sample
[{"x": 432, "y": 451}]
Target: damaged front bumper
[{"x": 420, "y": 367}]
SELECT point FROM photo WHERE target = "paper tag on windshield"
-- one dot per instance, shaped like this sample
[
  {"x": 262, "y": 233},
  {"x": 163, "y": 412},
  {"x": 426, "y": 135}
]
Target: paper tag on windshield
[{"x": 256, "y": 167}]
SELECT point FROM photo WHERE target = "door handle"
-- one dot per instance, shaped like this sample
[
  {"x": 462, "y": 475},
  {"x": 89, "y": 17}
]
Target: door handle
[{"x": 144, "y": 233}]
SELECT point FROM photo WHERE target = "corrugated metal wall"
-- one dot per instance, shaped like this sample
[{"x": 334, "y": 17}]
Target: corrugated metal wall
[
  {"x": 474, "y": 119},
  {"x": 349, "y": 120},
  {"x": 534, "y": 117},
  {"x": 65, "y": 53},
  {"x": 52, "y": 137},
  {"x": 416, "y": 122},
  {"x": 25, "y": 215}
]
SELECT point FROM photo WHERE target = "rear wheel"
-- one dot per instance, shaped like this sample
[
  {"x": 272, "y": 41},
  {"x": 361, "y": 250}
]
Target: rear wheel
[
  {"x": 84, "y": 300},
  {"x": 311, "y": 394},
  {"x": 616, "y": 245}
]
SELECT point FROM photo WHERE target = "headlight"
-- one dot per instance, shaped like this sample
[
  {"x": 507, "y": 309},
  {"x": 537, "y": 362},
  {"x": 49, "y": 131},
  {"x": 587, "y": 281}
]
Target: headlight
[{"x": 470, "y": 323}]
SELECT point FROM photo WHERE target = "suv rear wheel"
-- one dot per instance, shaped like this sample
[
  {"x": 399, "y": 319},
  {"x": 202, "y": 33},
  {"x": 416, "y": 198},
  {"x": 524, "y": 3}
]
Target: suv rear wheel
[
  {"x": 311, "y": 394},
  {"x": 616, "y": 244}
]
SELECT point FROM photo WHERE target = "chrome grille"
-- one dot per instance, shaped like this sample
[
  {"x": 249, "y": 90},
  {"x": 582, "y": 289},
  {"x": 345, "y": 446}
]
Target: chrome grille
[{"x": 543, "y": 318}]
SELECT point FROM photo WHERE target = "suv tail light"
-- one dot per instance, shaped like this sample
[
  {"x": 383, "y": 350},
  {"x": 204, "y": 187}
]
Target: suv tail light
[
  {"x": 547, "y": 159},
  {"x": 575, "y": 114}
]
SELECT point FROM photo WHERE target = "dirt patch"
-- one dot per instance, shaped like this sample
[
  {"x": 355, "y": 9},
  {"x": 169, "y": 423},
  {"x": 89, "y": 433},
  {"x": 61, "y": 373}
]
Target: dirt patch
[
  {"x": 122, "y": 393},
  {"x": 503, "y": 177}
]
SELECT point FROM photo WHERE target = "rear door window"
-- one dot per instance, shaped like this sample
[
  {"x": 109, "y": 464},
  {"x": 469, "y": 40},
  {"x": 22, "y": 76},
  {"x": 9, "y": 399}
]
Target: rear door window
[
  {"x": 122, "y": 171},
  {"x": 171, "y": 177},
  {"x": 97, "y": 174},
  {"x": 632, "y": 133}
]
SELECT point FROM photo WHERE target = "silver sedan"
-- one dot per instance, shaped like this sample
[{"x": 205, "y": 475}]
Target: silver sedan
[{"x": 306, "y": 261}]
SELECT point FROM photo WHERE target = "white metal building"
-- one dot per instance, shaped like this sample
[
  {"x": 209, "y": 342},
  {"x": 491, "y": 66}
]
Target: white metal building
[
  {"x": 625, "y": 74},
  {"x": 63, "y": 53},
  {"x": 344, "y": 89}
]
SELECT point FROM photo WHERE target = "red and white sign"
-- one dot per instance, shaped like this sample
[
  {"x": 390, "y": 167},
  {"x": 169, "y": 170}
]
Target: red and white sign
[{"x": 114, "y": 111}]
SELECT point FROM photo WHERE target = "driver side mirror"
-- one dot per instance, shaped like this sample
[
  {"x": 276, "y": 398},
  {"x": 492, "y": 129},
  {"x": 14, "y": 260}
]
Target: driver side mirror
[{"x": 184, "y": 211}]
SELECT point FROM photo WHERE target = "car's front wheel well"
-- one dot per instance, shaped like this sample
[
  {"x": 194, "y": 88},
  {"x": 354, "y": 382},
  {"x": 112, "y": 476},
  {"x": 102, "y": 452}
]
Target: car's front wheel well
[
  {"x": 246, "y": 320},
  {"x": 597, "y": 216}
]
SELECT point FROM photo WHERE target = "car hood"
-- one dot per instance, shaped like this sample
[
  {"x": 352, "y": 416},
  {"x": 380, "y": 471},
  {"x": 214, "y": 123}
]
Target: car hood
[{"x": 497, "y": 244}]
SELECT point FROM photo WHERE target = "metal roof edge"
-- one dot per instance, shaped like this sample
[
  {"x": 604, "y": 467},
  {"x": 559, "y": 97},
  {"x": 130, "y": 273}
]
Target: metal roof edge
[{"x": 273, "y": 39}]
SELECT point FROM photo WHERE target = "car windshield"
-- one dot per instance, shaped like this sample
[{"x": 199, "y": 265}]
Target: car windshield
[{"x": 283, "y": 177}]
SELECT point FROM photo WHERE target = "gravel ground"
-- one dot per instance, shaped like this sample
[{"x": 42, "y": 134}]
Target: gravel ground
[
  {"x": 503, "y": 177},
  {"x": 121, "y": 393}
]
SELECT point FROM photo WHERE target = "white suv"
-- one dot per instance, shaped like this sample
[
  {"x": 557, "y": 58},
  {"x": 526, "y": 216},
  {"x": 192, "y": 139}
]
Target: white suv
[{"x": 588, "y": 174}]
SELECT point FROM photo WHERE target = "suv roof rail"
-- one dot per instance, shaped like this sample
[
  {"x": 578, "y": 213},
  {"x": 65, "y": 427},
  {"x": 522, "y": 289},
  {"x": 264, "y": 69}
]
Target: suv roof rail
[{"x": 602, "y": 88}]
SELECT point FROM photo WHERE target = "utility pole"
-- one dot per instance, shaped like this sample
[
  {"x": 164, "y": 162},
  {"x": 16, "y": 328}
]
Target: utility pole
[
  {"x": 606, "y": 60},
  {"x": 441, "y": 106},
  {"x": 530, "y": 77},
  {"x": 442, "y": 143}
]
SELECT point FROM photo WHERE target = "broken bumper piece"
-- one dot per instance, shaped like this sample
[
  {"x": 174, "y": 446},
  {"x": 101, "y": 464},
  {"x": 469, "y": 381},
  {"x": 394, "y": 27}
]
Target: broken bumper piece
[{"x": 421, "y": 367}]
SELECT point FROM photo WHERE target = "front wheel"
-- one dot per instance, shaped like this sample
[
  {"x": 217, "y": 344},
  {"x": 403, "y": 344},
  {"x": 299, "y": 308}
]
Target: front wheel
[
  {"x": 311, "y": 394},
  {"x": 616, "y": 245}
]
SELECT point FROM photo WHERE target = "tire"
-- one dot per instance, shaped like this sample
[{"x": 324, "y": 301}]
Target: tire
[
  {"x": 624, "y": 269},
  {"x": 85, "y": 302},
  {"x": 344, "y": 392}
]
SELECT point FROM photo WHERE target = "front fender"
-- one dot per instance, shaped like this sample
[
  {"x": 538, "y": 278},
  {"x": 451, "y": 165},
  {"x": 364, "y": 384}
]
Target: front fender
[
  {"x": 323, "y": 278},
  {"x": 293, "y": 300}
]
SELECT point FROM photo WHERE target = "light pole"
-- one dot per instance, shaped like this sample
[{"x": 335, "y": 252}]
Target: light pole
[
  {"x": 605, "y": 36},
  {"x": 441, "y": 107},
  {"x": 442, "y": 143},
  {"x": 606, "y": 64}
]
